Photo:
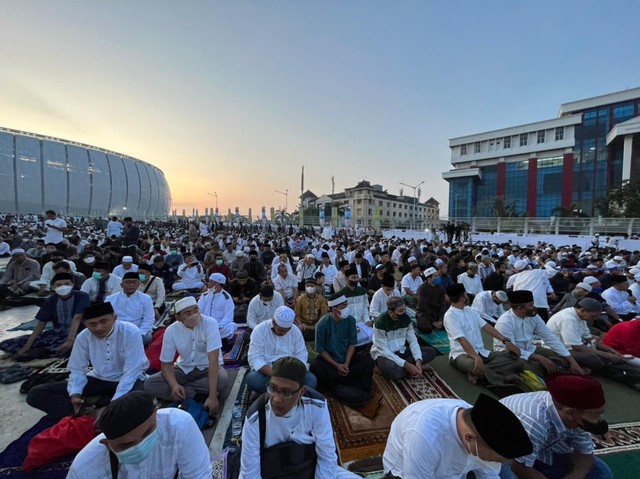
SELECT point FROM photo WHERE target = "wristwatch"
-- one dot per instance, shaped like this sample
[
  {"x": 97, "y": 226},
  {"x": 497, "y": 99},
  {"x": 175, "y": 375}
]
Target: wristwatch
[{"x": 506, "y": 340}]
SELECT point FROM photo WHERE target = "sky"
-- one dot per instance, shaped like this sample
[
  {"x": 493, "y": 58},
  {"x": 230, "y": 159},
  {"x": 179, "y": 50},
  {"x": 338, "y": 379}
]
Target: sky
[{"x": 234, "y": 97}]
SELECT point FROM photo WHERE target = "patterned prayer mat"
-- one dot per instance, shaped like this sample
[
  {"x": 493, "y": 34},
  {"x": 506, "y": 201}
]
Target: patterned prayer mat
[
  {"x": 438, "y": 340},
  {"x": 623, "y": 437},
  {"x": 428, "y": 386},
  {"x": 233, "y": 358},
  {"x": 13, "y": 456},
  {"x": 363, "y": 432}
]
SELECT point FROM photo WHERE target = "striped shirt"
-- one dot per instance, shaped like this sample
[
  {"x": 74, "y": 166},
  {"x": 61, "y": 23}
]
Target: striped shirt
[{"x": 548, "y": 434}]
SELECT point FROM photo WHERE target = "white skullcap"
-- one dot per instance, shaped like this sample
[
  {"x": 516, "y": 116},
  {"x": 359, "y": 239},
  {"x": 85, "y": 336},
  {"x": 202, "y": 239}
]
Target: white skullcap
[
  {"x": 590, "y": 280},
  {"x": 411, "y": 259},
  {"x": 520, "y": 265},
  {"x": 585, "y": 286},
  {"x": 185, "y": 303},
  {"x": 17, "y": 251},
  {"x": 239, "y": 254},
  {"x": 429, "y": 272},
  {"x": 218, "y": 278},
  {"x": 502, "y": 296},
  {"x": 284, "y": 316},
  {"x": 336, "y": 301},
  {"x": 127, "y": 259}
]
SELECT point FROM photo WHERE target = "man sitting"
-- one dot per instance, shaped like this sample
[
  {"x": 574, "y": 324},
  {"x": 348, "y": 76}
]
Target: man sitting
[
  {"x": 292, "y": 414},
  {"x": 218, "y": 304},
  {"x": 560, "y": 423},
  {"x": 199, "y": 368},
  {"x": 338, "y": 367},
  {"x": 379, "y": 300},
  {"x": 139, "y": 441},
  {"x": 133, "y": 306},
  {"x": 619, "y": 299},
  {"x": 464, "y": 327},
  {"x": 431, "y": 305},
  {"x": 126, "y": 266},
  {"x": 263, "y": 306},
  {"x": 520, "y": 324},
  {"x": 359, "y": 305},
  {"x": 42, "y": 285},
  {"x": 490, "y": 305},
  {"x": 115, "y": 351},
  {"x": 271, "y": 341},
  {"x": 190, "y": 274},
  {"x": 101, "y": 284},
  {"x": 242, "y": 289},
  {"x": 20, "y": 272},
  {"x": 286, "y": 284},
  {"x": 153, "y": 287},
  {"x": 310, "y": 307},
  {"x": 410, "y": 283},
  {"x": 391, "y": 333},
  {"x": 447, "y": 438},
  {"x": 64, "y": 311}
]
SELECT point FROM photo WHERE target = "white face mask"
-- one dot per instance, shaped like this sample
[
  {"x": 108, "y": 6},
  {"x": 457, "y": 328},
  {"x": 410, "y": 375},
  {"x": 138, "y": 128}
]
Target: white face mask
[
  {"x": 63, "y": 290},
  {"x": 475, "y": 460},
  {"x": 345, "y": 312},
  {"x": 310, "y": 290},
  {"x": 89, "y": 260}
]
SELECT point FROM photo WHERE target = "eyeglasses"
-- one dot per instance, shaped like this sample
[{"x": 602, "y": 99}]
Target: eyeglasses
[{"x": 284, "y": 394}]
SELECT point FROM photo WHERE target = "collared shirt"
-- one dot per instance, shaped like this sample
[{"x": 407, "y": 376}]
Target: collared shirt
[
  {"x": 52, "y": 235},
  {"x": 310, "y": 310},
  {"x": 259, "y": 311},
  {"x": 379, "y": 302},
  {"x": 117, "y": 358},
  {"x": 120, "y": 271},
  {"x": 410, "y": 283},
  {"x": 335, "y": 337},
  {"x": 114, "y": 228},
  {"x": 308, "y": 423},
  {"x": 23, "y": 273},
  {"x": 91, "y": 286},
  {"x": 487, "y": 307},
  {"x": 536, "y": 281},
  {"x": 391, "y": 337},
  {"x": 285, "y": 286},
  {"x": 424, "y": 443},
  {"x": 266, "y": 346},
  {"x": 181, "y": 446},
  {"x": 155, "y": 290},
  {"x": 521, "y": 333},
  {"x": 464, "y": 323},
  {"x": 548, "y": 434},
  {"x": 217, "y": 305},
  {"x": 193, "y": 345},
  {"x": 136, "y": 309},
  {"x": 471, "y": 285},
  {"x": 619, "y": 301},
  {"x": 359, "y": 302},
  {"x": 485, "y": 271},
  {"x": 47, "y": 271},
  {"x": 329, "y": 273},
  {"x": 569, "y": 328},
  {"x": 75, "y": 303}
]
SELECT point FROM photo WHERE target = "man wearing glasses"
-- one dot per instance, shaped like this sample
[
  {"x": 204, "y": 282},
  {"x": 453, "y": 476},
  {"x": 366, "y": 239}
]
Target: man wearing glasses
[{"x": 297, "y": 429}]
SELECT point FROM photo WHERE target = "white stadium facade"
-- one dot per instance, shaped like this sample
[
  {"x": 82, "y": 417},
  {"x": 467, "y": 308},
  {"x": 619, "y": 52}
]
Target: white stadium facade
[{"x": 38, "y": 173}]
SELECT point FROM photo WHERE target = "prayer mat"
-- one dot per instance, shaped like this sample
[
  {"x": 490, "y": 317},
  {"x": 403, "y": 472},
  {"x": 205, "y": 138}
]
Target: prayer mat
[
  {"x": 13, "y": 456},
  {"x": 427, "y": 386},
  {"x": 311, "y": 350},
  {"x": 30, "y": 326},
  {"x": 233, "y": 358},
  {"x": 438, "y": 340},
  {"x": 621, "y": 438},
  {"x": 363, "y": 432}
]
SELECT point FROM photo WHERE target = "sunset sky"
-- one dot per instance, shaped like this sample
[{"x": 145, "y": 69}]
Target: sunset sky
[{"x": 234, "y": 97}]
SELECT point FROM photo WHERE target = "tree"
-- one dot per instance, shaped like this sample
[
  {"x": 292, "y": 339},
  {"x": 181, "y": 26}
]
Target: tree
[
  {"x": 574, "y": 211},
  {"x": 621, "y": 201},
  {"x": 498, "y": 207}
]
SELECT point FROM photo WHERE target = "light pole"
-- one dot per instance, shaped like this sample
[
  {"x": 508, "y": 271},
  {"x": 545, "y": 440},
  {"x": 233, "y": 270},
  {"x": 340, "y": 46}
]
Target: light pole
[
  {"x": 216, "y": 195},
  {"x": 413, "y": 214},
  {"x": 286, "y": 198}
]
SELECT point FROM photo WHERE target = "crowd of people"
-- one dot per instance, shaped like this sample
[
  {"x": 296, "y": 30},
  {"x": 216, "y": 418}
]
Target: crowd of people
[{"x": 557, "y": 316}]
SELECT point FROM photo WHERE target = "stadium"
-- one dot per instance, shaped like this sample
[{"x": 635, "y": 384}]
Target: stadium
[{"x": 38, "y": 173}]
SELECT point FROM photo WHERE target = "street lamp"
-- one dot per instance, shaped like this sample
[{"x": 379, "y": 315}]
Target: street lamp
[
  {"x": 413, "y": 215},
  {"x": 286, "y": 198},
  {"x": 216, "y": 195}
]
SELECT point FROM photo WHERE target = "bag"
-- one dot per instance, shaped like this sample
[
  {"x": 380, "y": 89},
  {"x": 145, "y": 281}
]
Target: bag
[
  {"x": 287, "y": 460},
  {"x": 69, "y": 435},
  {"x": 533, "y": 381},
  {"x": 196, "y": 409}
]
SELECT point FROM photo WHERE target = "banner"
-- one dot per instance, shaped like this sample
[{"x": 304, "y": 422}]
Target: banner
[
  {"x": 273, "y": 213},
  {"x": 335, "y": 218},
  {"x": 347, "y": 216},
  {"x": 301, "y": 216},
  {"x": 321, "y": 212},
  {"x": 249, "y": 219},
  {"x": 377, "y": 217}
]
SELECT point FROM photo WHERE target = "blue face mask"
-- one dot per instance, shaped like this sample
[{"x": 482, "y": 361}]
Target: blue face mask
[
  {"x": 97, "y": 276},
  {"x": 138, "y": 453},
  {"x": 597, "y": 290},
  {"x": 437, "y": 280}
]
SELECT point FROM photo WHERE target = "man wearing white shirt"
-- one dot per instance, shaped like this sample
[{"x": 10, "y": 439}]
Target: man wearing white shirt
[
  {"x": 42, "y": 285},
  {"x": 410, "y": 284},
  {"x": 282, "y": 258},
  {"x": 113, "y": 348},
  {"x": 199, "y": 368},
  {"x": 263, "y": 306},
  {"x": 329, "y": 271},
  {"x": 359, "y": 304},
  {"x": 134, "y": 306},
  {"x": 114, "y": 228},
  {"x": 101, "y": 284},
  {"x": 619, "y": 299},
  {"x": 286, "y": 284},
  {"x": 448, "y": 438},
  {"x": 379, "y": 300},
  {"x": 190, "y": 273},
  {"x": 146, "y": 444},
  {"x": 125, "y": 266},
  {"x": 271, "y": 341},
  {"x": 536, "y": 281},
  {"x": 153, "y": 287},
  {"x": 55, "y": 229},
  {"x": 471, "y": 281},
  {"x": 490, "y": 305},
  {"x": 218, "y": 304},
  {"x": 520, "y": 324}
]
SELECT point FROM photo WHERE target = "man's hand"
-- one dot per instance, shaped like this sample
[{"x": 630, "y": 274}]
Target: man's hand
[
  {"x": 42, "y": 291},
  {"x": 343, "y": 369},
  {"x": 211, "y": 405},
  {"x": 547, "y": 364},
  {"x": 23, "y": 351},
  {"x": 178, "y": 392},
  {"x": 412, "y": 370},
  {"x": 512, "y": 348},
  {"x": 478, "y": 368},
  {"x": 76, "y": 402},
  {"x": 65, "y": 347}
]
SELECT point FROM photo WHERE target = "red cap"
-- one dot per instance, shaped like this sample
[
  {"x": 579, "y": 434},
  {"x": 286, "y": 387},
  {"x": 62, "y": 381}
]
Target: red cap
[{"x": 579, "y": 392}]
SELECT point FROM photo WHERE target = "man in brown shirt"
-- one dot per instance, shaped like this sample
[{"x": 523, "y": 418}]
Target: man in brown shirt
[{"x": 309, "y": 308}]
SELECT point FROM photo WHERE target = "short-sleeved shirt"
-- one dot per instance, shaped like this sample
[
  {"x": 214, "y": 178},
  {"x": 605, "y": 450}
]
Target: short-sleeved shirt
[
  {"x": 193, "y": 345},
  {"x": 335, "y": 337},
  {"x": 465, "y": 323},
  {"x": 569, "y": 328},
  {"x": 76, "y": 304}
]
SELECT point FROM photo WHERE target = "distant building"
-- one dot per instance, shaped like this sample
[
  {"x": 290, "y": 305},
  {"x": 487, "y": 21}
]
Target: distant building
[
  {"x": 545, "y": 168},
  {"x": 370, "y": 205}
]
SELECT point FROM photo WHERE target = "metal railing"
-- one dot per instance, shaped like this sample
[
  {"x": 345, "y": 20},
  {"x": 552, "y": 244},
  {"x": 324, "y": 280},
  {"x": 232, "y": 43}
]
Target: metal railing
[{"x": 553, "y": 225}]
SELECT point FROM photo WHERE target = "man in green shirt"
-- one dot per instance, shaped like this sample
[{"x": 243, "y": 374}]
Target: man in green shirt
[{"x": 338, "y": 367}]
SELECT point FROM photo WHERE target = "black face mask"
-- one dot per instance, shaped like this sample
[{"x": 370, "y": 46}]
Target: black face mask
[
  {"x": 353, "y": 283},
  {"x": 598, "y": 428},
  {"x": 253, "y": 259}
]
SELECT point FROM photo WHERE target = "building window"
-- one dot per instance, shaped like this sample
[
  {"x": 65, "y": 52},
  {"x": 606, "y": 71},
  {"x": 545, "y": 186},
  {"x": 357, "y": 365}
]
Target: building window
[
  {"x": 541, "y": 136},
  {"x": 394, "y": 214},
  {"x": 507, "y": 142},
  {"x": 476, "y": 147},
  {"x": 388, "y": 204},
  {"x": 560, "y": 133},
  {"x": 463, "y": 150},
  {"x": 524, "y": 138},
  {"x": 380, "y": 203}
]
